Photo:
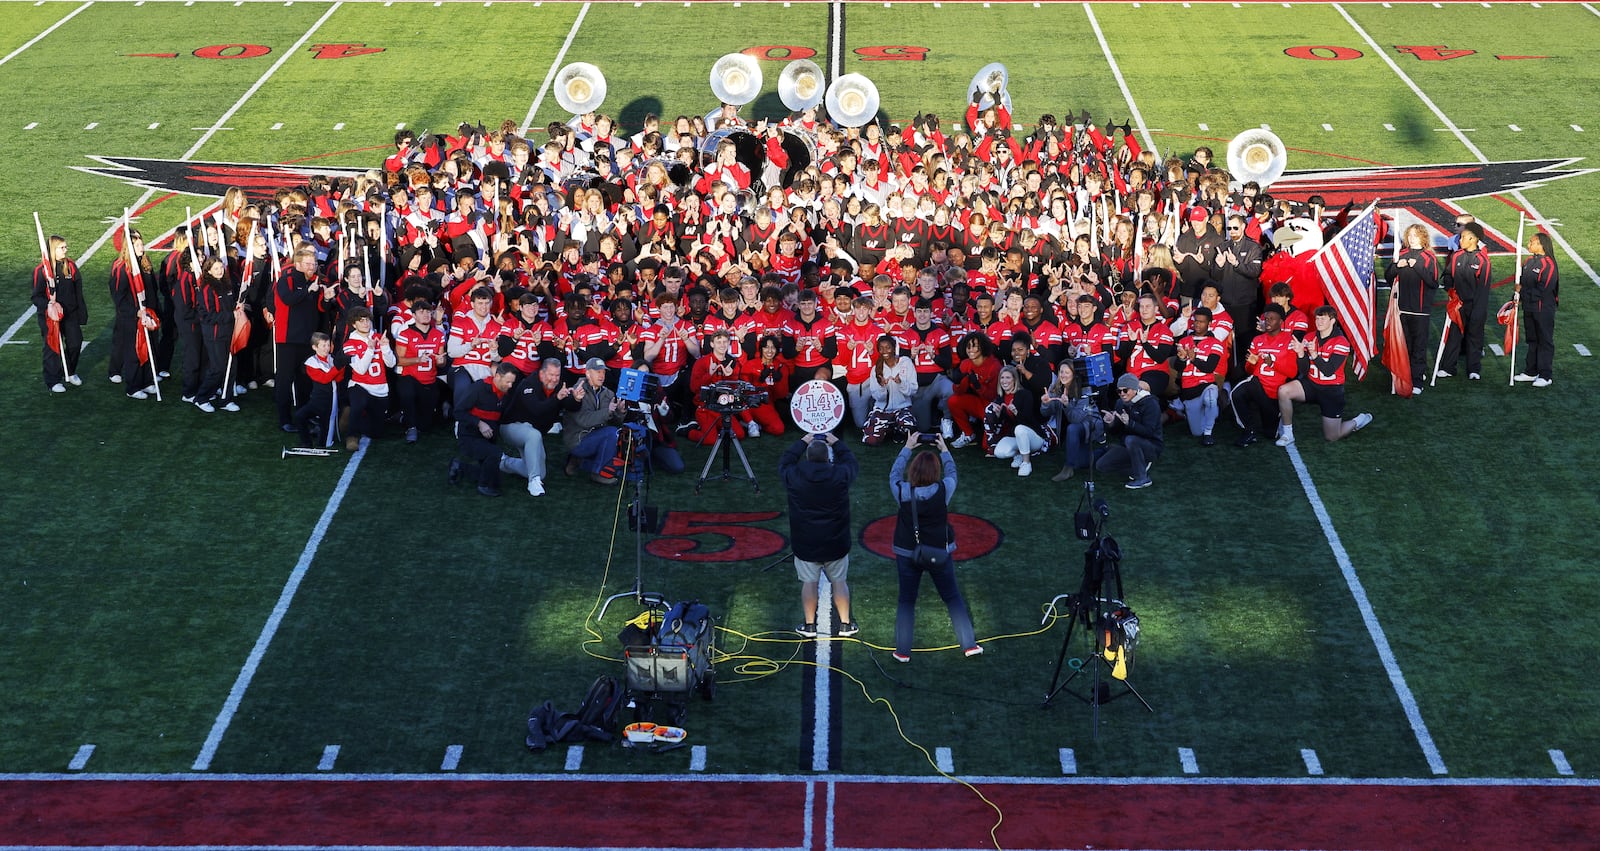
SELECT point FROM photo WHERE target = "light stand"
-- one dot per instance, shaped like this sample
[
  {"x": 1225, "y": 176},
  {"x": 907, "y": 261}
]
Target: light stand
[
  {"x": 1102, "y": 616},
  {"x": 643, "y": 518}
]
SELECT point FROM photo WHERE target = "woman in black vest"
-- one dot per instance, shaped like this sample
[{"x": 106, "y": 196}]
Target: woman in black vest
[{"x": 923, "y": 483}]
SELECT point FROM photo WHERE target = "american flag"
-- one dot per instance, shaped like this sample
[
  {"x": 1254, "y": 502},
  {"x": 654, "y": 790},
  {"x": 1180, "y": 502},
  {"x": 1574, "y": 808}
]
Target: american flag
[{"x": 1346, "y": 267}]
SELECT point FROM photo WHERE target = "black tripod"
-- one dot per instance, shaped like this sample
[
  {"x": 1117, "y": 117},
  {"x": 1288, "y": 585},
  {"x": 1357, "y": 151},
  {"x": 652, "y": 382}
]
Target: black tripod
[
  {"x": 1101, "y": 618},
  {"x": 643, "y": 519},
  {"x": 727, "y": 443}
]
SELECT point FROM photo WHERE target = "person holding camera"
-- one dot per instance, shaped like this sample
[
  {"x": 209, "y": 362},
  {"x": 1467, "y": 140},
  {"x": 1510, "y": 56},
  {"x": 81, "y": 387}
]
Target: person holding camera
[
  {"x": 1138, "y": 417},
  {"x": 922, "y": 485},
  {"x": 817, "y": 472}
]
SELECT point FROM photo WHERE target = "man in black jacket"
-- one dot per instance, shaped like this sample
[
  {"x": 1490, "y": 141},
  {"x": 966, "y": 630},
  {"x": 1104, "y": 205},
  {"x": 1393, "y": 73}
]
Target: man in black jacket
[
  {"x": 819, "y": 522},
  {"x": 1138, "y": 417},
  {"x": 535, "y": 408}
]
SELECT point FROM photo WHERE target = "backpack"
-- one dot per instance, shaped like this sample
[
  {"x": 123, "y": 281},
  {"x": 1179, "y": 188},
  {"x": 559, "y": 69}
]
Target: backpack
[{"x": 595, "y": 719}]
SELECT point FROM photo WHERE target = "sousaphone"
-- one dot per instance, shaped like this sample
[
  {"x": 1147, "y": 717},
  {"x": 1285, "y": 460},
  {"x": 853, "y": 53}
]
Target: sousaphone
[
  {"x": 852, "y": 100},
  {"x": 736, "y": 79},
  {"x": 1258, "y": 155},
  {"x": 990, "y": 83},
  {"x": 801, "y": 87},
  {"x": 580, "y": 88}
]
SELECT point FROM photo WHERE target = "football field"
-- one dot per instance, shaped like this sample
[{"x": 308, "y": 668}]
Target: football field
[{"x": 1412, "y": 606}]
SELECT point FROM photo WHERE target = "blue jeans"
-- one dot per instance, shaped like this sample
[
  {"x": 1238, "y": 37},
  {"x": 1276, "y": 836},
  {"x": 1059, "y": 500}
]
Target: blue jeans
[
  {"x": 944, "y": 579},
  {"x": 597, "y": 448},
  {"x": 1076, "y": 443}
]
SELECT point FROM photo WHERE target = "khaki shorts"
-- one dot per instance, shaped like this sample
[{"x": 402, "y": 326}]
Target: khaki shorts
[{"x": 837, "y": 569}]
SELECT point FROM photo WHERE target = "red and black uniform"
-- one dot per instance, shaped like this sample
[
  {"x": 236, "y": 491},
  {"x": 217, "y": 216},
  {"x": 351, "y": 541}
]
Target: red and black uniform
[
  {"x": 324, "y": 375},
  {"x": 178, "y": 278},
  {"x": 1414, "y": 276},
  {"x": 1469, "y": 276},
  {"x": 709, "y": 369},
  {"x": 811, "y": 345},
  {"x": 1323, "y": 368},
  {"x": 1541, "y": 289},
  {"x": 975, "y": 386},
  {"x": 1146, "y": 349},
  {"x": 1255, "y": 400},
  {"x": 62, "y": 285},
  {"x": 774, "y": 378},
  {"x": 370, "y": 357},
  {"x": 484, "y": 404},
  {"x": 128, "y": 298},
  {"x": 295, "y": 316},
  {"x": 416, "y": 385},
  {"x": 218, "y": 298}
]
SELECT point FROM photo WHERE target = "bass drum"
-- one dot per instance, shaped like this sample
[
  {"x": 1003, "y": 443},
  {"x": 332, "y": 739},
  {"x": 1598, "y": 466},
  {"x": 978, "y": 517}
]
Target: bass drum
[
  {"x": 801, "y": 147},
  {"x": 751, "y": 152}
]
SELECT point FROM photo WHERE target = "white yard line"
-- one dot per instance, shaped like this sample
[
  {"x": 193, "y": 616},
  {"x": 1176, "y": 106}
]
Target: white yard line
[
  {"x": 40, "y": 37},
  {"x": 83, "y": 259},
  {"x": 239, "y": 104},
  {"x": 240, "y": 684},
  {"x": 1397, "y": 680},
  {"x": 1138, "y": 119},
  {"x": 836, "y": 48},
  {"x": 821, "y": 694},
  {"x": 1461, "y": 135},
  {"x": 544, "y": 88}
]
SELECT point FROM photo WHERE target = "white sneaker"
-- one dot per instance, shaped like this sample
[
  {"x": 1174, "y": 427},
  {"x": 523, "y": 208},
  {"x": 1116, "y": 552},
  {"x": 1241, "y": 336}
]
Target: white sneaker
[
  {"x": 272, "y": 382},
  {"x": 206, "y": 407},
  {"x": 252, "y": 385},
  {"x": 1474, "y": 376},
  {"x": 58, "y": 388},
  {"x": 1016, "y": 460},
  {"x": 535, "y": 486},
  {"x": 1523, "y": 376},
  {"x": 1025, "y": 468},
  {"x": 165, "y": 374},
  {"x": 1542, "y": 382},
  {"x": 554, "y": 429},
  {"x": 151, "y": 390},
  {"x": 74, "y": 380},
  {"x": 947, "y": 427},
  {"x": 240, "y": 390},
  {"x": 138, "y": 394},
  {"x": 963, "y": 440},
  {"x": 751, "y": 429},
  {"x": 1285, "y": 437},
  {"x": 1416, "y": 391},
  {"x": 1362, "y": 420},
  {"x": 1441, "y": 373},
  {"x": 188, "y": 400},
  {"x": 116, "y": 379},
  {"x": 232, "y": 406}
]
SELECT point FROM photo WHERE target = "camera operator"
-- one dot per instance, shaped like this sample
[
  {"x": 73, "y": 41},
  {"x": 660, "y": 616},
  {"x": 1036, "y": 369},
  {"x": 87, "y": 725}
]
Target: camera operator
[
  {"x": 589, "y": 424},
  {"x": 719, "y": 365},
  {"x": 922, "y": 486},
  {"x": 1138, "y": 417},
  {"x": 817, "y": 472}
]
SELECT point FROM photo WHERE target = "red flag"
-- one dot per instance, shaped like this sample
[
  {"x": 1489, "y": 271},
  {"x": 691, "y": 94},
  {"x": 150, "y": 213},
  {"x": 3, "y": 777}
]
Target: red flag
[
  {"x": 1395, "y": 356},
  {"x": 53, "y": 339},
  {"x": 241, "y": 333},
  {"x": 1508, "y": 317},
  {"x": 141, "y": 341},
  {"x": 1452, "y": 309}
]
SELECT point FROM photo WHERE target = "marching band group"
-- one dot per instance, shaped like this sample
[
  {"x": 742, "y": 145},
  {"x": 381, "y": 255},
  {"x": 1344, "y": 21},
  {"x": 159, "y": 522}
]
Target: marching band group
[{"x": 958, "y": 281}]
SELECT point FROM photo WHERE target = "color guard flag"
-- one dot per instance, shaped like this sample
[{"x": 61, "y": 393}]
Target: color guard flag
[{"x": 1346, "y": 267}]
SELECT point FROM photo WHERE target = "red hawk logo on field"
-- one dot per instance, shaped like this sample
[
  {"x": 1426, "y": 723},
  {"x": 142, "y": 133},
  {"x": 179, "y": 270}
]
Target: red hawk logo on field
[{"x": 1426, "y": 191}]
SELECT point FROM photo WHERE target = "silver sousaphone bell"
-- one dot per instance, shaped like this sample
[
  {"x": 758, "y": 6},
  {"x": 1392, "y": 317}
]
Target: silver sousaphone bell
[
  {"x": 990, "y": 83},
  {"x": 852, "y": 100},
  {"x": 1258, "y": 155},
  {"x": 580, "y": 88},
  {"x": 736, "y": 79},
  {"x": 800, "y": 87}
]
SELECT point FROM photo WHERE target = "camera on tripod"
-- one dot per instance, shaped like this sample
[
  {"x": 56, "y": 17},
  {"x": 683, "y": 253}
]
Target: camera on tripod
[{"x": 732, "y": 397}]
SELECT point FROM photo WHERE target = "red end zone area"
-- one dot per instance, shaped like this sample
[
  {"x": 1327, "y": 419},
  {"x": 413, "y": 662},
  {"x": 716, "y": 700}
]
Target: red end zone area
[{"x": 808, "y": 814}]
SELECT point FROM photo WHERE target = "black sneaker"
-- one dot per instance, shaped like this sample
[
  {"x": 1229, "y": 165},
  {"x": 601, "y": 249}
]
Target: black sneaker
[
  {"x": 809, "y": 630},
  {"x": 1246, "y": 439},
  {"x": 455, "y": 470},
  {"x": 849, "y": 629}
]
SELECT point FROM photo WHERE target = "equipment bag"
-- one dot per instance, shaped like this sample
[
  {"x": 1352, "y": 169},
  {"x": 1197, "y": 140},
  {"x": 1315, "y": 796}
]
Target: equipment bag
[{"x": 595, "y": 720}]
